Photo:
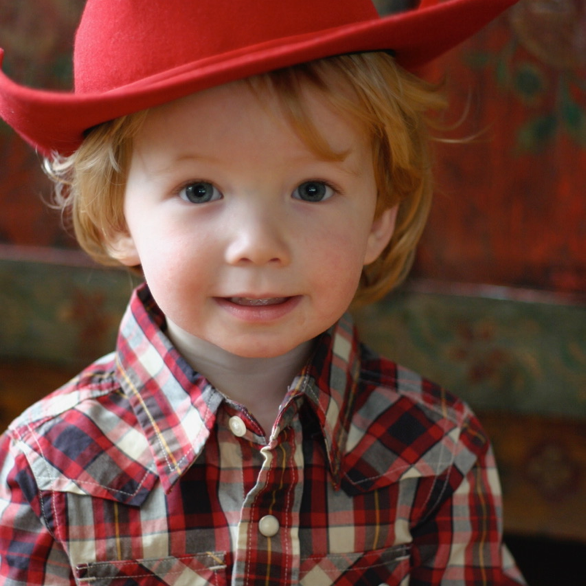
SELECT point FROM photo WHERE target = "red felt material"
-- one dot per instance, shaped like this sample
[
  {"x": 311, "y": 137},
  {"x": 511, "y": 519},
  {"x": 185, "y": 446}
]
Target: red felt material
[{"x": 134, "y": 54}]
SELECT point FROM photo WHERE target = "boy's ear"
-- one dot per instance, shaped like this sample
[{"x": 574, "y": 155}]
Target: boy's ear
[
  {"x": 380, "y": 234},
  {"x": 121, "y": 247}
]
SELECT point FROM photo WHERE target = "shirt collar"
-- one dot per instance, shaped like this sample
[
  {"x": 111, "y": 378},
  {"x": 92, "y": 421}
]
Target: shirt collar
[
  {"x": 177, "y": 407},
  {"x": 329, "y": 383}
]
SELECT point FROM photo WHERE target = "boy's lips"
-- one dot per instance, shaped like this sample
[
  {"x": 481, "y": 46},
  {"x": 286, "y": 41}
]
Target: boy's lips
[
  {"x": 257, "y": 301},
  {"x": 258, "y": 309}
]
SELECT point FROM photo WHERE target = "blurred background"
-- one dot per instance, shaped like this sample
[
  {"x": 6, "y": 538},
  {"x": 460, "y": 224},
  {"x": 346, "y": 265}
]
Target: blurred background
[{"x": 495, "y": 308}]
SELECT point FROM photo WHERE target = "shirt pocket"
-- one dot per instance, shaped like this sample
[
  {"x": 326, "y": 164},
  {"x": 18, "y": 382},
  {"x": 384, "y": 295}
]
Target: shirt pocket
[
  {"x": 389, "y": 566},
  {"x": 192, "y": 570}
]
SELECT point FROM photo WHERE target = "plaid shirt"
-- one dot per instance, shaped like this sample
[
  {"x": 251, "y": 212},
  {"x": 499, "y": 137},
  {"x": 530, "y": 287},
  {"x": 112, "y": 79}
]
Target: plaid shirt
[{"x": 139, "y": 472}]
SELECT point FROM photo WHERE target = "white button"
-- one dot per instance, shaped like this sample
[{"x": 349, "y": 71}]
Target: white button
[
  {"x": 268, "y": 526},
  {"x": 237, "y": 426}
]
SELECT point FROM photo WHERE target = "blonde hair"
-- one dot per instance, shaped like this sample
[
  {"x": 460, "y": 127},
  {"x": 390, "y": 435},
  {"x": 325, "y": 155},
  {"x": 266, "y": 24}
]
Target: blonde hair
[{"x": 392, "y": 106}]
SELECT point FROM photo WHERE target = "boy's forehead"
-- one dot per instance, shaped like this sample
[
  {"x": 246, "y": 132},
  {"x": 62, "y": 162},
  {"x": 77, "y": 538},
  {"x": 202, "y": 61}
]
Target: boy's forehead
[
  {"x": 211, "y": 125},
  {"x": 256, "y": 98},
  {"x": 268, "y": 92}
]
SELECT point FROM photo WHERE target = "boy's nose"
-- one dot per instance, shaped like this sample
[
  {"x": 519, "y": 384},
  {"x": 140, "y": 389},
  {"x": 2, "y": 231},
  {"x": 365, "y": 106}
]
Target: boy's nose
[{"x": 258, "y": 238}]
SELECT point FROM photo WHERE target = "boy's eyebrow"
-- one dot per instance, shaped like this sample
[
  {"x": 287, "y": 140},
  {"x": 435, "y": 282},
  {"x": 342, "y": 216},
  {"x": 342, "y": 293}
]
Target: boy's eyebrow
[
  {"x": 167, "y": 166},
  {"x": 339, "y": 160},
  {"x": 340, "y": 156},
  {"x": 191, "y": 156}
]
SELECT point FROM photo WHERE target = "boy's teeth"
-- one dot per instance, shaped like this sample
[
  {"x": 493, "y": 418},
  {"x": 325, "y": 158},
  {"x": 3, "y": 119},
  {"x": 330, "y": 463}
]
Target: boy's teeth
[{"x": 252, "y": 301}]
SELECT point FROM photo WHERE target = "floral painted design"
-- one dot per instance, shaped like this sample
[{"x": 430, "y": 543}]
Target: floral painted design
[{"x": 543, "y": 65}]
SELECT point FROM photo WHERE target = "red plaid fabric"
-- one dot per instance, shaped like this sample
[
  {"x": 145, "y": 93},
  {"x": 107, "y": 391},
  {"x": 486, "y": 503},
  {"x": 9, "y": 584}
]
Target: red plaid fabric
[{"x": 139, "y": 472}]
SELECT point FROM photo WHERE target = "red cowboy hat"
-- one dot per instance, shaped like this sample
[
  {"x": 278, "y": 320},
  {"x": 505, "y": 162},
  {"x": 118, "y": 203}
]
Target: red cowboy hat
[{"x": 135, "y": 54}]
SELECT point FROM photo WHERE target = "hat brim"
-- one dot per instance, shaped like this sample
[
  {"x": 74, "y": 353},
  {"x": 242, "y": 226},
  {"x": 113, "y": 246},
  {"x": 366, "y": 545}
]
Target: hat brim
[{"x": 56, "y": 121}]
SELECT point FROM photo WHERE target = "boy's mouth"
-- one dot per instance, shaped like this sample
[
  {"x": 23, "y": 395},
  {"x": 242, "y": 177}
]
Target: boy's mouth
[
  {"x": 257, "y": 302},
  {"x": 259, "y": 309}
]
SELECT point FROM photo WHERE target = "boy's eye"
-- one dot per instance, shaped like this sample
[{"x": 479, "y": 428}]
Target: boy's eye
[
  {"x": 200, "y": 192},
  {"x": 313, "y": 191}
]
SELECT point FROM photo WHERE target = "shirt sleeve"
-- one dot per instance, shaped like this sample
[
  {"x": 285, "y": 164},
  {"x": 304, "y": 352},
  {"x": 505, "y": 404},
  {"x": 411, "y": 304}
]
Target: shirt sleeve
[
  {"x": 459, "y": 542},
  {"x": 29, "y": 554}
]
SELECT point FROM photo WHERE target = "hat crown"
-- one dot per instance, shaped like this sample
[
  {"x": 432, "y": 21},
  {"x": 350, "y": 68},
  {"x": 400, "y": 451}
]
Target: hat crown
[
  {"x": 120, "y": 42},
  {"x": 132, "y": 55}
]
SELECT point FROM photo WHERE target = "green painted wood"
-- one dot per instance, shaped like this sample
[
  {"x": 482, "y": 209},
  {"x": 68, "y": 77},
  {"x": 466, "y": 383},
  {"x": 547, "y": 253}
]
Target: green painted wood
[
  {"x": 498, "y": 354},
  {"x": 67, "y": 315}
]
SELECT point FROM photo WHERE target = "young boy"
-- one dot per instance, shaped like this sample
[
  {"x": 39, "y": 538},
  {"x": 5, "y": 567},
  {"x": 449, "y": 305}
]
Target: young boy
[{"x": 264, "y": 166}]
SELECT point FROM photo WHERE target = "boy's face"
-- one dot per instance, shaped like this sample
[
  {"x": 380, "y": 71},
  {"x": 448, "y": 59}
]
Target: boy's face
[{"x": 246, "y": 238}]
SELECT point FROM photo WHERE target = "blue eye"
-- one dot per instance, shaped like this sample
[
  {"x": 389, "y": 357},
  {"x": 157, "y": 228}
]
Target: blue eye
[
  {"x": 200, "y": 192},
  {"x": 313, "y": 191}
]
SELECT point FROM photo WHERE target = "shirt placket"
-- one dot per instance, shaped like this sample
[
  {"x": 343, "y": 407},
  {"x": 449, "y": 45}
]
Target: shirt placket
[{"x": 267, "y": 547}]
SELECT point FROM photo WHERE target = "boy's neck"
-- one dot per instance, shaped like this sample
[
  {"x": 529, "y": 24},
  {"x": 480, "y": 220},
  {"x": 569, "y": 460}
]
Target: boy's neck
[{"x": 260, "y": 384}]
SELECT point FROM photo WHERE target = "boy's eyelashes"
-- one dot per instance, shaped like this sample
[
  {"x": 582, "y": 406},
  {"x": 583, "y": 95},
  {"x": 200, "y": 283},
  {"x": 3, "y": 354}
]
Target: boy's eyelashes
[
  {"x": 203, "y": 191},
  {"x": 314, "y": 191},
  {"x": 199, "y": 192}
]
